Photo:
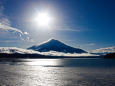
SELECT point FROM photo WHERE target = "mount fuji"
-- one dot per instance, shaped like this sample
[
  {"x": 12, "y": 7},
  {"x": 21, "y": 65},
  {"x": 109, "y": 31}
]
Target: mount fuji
[{"x": 56, "y": 45}]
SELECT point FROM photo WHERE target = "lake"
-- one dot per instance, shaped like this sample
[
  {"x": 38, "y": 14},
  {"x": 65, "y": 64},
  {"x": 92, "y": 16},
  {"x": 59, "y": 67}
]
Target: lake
[{"x": 57, "y": 72}]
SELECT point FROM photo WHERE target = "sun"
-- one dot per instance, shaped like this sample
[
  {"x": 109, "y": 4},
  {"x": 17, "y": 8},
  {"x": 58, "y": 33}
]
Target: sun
[{"x": 43, "y": 19}]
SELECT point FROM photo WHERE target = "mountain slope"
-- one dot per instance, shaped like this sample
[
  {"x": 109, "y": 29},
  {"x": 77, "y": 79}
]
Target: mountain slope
[{"x": 55, "y": 45}]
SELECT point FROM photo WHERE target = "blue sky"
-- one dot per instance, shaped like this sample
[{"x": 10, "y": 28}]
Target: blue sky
[{"x": 86, "y": 24}]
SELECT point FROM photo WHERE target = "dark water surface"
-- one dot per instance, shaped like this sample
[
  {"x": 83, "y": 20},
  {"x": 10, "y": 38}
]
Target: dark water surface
[
  {"x": 69, "y": 62},
  {"x": 57, "y": 72}
]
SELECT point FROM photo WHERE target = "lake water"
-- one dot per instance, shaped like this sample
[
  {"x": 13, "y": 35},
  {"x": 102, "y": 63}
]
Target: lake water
[{"x": 57, "y": 72}]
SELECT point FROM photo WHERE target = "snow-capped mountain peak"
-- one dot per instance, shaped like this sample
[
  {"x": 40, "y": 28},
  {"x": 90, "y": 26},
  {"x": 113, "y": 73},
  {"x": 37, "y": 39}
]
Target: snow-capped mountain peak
[{"x": 56, "y": 45}]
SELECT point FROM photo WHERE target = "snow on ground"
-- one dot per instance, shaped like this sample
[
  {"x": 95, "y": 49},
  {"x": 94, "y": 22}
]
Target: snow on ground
[{"x": 11, "y": 50}]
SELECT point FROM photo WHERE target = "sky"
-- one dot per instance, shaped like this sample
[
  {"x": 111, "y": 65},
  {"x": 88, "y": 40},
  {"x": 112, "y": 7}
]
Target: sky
[{"x": 85, "y": 24}]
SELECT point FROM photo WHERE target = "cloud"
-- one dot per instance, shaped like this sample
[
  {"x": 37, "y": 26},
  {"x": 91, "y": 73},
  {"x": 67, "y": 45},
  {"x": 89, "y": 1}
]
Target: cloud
[
  {"x": 5, "y": 23},
  {"x": 50, "y": 53},
  {"x": 66, "y": 28},
  {"x": 6, "y": 27},
  {"x": 17, "y": 50},
  {"x": 90, "y": 44},
  {"x": 26, "y": 33},
  {"x": 54, "y": 53},
  {"x": 29, "y": 39},
  {"x": 71, "y": 40},
  {"x": 105, "y": 50}
]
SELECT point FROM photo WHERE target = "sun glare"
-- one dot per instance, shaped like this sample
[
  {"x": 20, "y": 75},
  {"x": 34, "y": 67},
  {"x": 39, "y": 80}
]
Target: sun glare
[{"x": 43, "y": 19}]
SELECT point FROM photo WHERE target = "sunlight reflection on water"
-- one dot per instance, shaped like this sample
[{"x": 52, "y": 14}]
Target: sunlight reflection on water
[
  {"x": 31, "y": 75},
  {"x": 43, "y": 62},
  {"x": 62, "y": 62},
  {"x": 57, "y": 72}
]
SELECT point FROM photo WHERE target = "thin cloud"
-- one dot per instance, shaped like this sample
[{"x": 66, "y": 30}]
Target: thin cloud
[
  {"x": 29, "y": 39},
  {"x": 71, "y": 40},
  {"x": 66, "y": 28},
  {"x": 5, "y": 23},
  {"x": 6, "y": 27},
  {"x": 72, "y": 30},
  {"x": 90, "y": 44},
  {"x": 105, "y": 50}
]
